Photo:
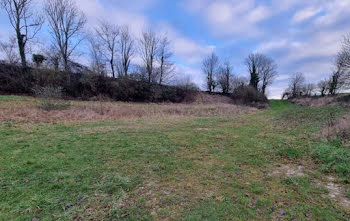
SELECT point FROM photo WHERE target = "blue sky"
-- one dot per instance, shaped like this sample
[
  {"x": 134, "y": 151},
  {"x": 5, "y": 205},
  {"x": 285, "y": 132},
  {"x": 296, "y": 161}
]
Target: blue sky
[{"x": 301, "y": 36}]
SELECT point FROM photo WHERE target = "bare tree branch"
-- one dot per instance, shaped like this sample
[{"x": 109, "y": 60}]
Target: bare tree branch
[
  {"x": 268, "y": 72},
  {"x": 225, "y": 77},
  {"x": 126, "y": 49},
  {"x": 166, "y": 67},
  {"x": 210, "y": 67},
  {"x": 9, "y": 49},
  {"x": 108, "y": 38},
  {"x": 149, "y": 48},
  {"x": 296, "y": 84},
  {"x": 24, "y": 21},
  {"x": 97, "y": 63},
  {"x": 66, "y": 23}
]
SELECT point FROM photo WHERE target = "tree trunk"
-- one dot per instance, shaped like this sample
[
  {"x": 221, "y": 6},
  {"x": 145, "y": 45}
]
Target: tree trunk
[
  {"x": 263, "y": 89},
  {"x": 21, "y": 47},
  {"x": 112, "y": 67}
]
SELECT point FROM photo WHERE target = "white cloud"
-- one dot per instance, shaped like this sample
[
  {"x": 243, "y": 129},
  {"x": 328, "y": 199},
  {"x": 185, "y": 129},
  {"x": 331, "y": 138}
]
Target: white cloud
[
  {"x": 184, "y": 48},
  {"x": 229, "y": 18},
  {"x": 258, "y": 14},
  {"x": 305, "y": 14},
  {"x": 335, "y": 11},
  {"x": 273, "y": 45}
]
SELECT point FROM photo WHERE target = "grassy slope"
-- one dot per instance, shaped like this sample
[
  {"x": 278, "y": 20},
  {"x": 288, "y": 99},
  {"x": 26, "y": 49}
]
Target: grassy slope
[{"x": 190, "y": 169}]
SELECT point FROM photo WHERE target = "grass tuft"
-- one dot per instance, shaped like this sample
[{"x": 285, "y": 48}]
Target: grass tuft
[{"x": 333, "y": 159}]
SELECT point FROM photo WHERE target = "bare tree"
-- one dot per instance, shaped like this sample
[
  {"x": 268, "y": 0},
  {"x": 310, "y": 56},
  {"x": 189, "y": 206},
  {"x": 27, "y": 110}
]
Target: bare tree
[
  {"x": 53, "y": 58},
  {"x": 254, "y": 64},
  {"x": 66, "y": 23},
  {"x": 307, "y": 89},
  {"x": 346, "y": 52},
  {"x": 108, "y": 37},
  {"x": 166, "y": 67},
  {"x": 339, "y": 76},
  {"x": 238, "y": 82},
  {"x": 126, "y": 49},
  {"x": 323, "y": 87},
  {"x": 296, "y": 84},
  {"x": 224, "y": 78},
  {"x": 268, "y": 72},
  {"x": 97, "y": 61},
  {"x": 210, "y": 67},
  {"x": 149, "y": 48},
  {"x": 261, "y": 69},
  {"x": 9, "y": 49},
  {"x": 25, "y": 22}
]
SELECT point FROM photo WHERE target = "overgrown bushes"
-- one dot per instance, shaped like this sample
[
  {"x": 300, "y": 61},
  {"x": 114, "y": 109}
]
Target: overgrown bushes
[
  {"x": 50, "y": 98},
  {"x": 14, "y": 80},
  {"x": 250, "y": 96}
]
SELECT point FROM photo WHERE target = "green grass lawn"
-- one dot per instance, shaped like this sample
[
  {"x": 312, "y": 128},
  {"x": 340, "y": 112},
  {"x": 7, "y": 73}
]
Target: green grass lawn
[{"x": 190, "y": 168}]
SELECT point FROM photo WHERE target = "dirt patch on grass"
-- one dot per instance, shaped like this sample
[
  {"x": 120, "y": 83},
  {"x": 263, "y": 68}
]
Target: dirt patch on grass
[
  {"x": 94, "y": 111},
  {"x": 337, "y": 192},
  {"x": 289, "y": 170}
]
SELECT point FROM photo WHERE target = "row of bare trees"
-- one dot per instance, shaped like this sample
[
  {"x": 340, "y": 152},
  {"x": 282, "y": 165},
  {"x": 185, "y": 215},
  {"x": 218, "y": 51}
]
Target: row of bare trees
[
  {"x": 337, "y": 82},
  {"x": 65, "y": 20},
  {"x": 261, "y": 68},
  {"x": 112, "y": 47},
  {"x": 25, "y": 22}
]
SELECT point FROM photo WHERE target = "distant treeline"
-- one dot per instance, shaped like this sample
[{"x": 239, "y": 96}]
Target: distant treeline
[{"x": 113, "y": 51}]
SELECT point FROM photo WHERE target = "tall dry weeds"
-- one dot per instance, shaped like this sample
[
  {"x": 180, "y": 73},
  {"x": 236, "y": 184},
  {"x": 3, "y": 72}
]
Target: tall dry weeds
[
  {"x": 337, "y": 129},
  {"x": 96, "y": 111}
]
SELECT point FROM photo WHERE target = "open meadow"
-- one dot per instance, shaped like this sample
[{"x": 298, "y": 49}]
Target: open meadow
[{"x": 127, "y": 161}]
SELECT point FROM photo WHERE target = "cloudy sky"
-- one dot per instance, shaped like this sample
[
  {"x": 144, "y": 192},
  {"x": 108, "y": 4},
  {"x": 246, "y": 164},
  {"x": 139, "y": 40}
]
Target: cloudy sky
[{"x": 300, "y": 35}]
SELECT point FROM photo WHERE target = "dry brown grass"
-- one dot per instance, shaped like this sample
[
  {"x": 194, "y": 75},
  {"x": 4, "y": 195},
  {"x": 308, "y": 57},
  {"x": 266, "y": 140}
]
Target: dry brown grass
[
  {"x": 28, "y": 112},
  {"x": 319, "y": 101},
  {"x": 204, "y": 98},
  {"x": 339, "y": 129}
]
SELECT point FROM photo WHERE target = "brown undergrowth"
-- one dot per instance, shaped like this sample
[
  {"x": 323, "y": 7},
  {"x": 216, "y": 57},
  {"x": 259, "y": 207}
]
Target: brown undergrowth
[
  {"x": 321, "y": 101},
  {"x": 28, "y": 112},
  {"x": 338, "y": 129}
]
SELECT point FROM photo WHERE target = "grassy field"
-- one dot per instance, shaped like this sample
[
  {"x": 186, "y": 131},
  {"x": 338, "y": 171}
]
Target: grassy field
[{"x": 177, "y": 163}]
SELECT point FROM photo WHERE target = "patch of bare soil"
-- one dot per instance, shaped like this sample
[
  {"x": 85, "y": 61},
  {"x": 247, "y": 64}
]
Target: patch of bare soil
[
  {"x": 289, "y": 170},
  {"x": 78, "y": 112},
  {"x": 336, "y": 191}
]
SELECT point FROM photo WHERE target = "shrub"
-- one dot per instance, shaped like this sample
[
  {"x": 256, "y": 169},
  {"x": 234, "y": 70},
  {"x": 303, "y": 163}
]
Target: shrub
[
  {"x": 38, "y": 59},
  {"x": 87, "y": 85},
  {"x": 50, "y": 98},
  {"x": 345, "y": 99},
  {"x": 15, "y": 80},
  {"x": 249, "y": 95}
]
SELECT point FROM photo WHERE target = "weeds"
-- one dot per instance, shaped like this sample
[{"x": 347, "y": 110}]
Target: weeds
[
  {"x": 333, "y": 158},
  {"x": 50, "y": 98}
]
